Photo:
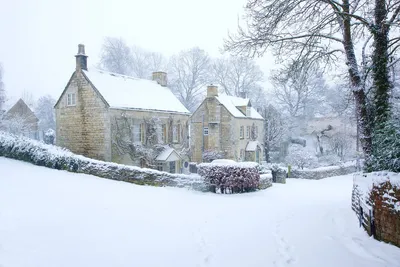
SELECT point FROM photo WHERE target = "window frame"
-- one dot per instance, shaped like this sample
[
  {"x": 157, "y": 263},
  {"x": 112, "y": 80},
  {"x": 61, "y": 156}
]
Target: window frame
[
  {"x": 71, "y": 99},
  {"x": 241, "y": 132},
  {"x": 248, "y": 130},
  {"x": 206, "y": 131}
]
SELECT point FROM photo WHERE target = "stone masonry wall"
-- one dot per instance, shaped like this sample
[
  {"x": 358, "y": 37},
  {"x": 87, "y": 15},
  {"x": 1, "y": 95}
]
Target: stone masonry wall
[
  {"x": 84, "y": 128},
  {"x": 223, "y": 136},
  {"x": 386, "y": 215},
  {"x": 137, "y": 117}
]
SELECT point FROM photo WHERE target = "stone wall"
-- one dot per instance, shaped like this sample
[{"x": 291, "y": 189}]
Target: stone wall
[
  {"x": 320, "y": 173},
  {"x": 376, "y": 201},
  {"x": 386, "y": 215},
  {"x": 85, "y": 127},
  {"x": 137, "y": 117},
  {"x": 224, "y": 131}
]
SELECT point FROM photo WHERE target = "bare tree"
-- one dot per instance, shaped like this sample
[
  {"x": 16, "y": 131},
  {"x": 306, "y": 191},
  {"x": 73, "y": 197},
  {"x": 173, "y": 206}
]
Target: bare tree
[
  {"x": 144, "y": 62},
  {"x": 45, "y": 113},
  {"x": 116, "y": 56},
  {"x": 273, "y": 129},
  {"x": 298, "y": 88},
  {"x": 2, "y": 91},
  {"x": 316, "y": 30},
  {"x": 237, "y": 76},
  {"x": 189, "y": 73}
]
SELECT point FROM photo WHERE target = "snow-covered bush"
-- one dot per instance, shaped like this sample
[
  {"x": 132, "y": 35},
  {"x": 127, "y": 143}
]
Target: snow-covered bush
[
  {"x": 49, "y": 137},
  {"x": 301, "y": 157},
  {"x": 38, "y": 153},
  {"x": 230, "y": 178}
]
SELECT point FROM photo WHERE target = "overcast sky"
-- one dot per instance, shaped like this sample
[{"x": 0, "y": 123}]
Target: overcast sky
[{"x": 40, "y": 37}]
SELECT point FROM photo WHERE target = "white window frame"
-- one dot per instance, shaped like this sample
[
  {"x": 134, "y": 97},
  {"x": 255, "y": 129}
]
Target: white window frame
[
  {"x": 248, "y": 129},
  {"x": 205, "y": 131},
  {"x": 248, "y": 111},
  {"x": 241, "y": 132},
  {"x": 71, "y": 99},
  {"x": 175, "y": 133}
]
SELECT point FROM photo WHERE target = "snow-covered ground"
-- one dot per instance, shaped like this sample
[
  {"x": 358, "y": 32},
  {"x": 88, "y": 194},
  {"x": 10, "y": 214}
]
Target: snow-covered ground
[{"x": 53, "y": 218}]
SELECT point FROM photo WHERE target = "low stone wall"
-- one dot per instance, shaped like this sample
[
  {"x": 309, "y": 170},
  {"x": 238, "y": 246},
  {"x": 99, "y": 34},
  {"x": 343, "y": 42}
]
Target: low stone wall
[
  {"x": 320, "y": 173},
  {"x": 54, "y": 157},
  {"x": 376, "y": 201},
  {"x": 265, "y": 181}
]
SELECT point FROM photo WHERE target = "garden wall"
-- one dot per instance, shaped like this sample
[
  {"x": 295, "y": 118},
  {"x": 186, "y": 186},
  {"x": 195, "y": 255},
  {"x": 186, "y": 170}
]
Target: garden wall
[
  {"x": 376, "y": 201},
  {"x": 54, "y": 157},
  {"x": 323, "y": 172}
]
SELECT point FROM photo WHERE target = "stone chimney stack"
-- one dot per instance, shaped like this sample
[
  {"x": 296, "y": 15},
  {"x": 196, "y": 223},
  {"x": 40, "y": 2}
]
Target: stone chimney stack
[
  {"x": 160, "y": 77},
  {"x": 81, "y": 58},
  {"x": 212, "y": 90}
]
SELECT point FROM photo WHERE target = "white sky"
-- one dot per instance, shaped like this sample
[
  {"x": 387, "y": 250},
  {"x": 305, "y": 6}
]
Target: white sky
[{"x": 40, "y": 37}]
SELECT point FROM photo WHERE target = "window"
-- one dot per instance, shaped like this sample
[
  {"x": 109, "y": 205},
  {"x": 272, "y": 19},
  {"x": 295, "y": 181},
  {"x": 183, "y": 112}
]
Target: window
[
  {"x": 175, "y": 133},
  {"x": 71, "y": 99},
  {"x": 248, "y": 111},
  {"x": 160, "y": 166},
  {"x": 241, "y": 132},
  {"x": 142, "y": 133},
  {"x": 205, "y": 130},
  {"x": 164, "y": 133},
  {"x": 136, "y": 133},
  {"x": 179, "y": 132},
  {"x": 248, "y": 132}
]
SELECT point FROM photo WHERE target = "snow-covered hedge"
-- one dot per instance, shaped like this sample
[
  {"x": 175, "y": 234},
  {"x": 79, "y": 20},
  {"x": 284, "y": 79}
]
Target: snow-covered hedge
[
  {"x": 54, "y": 157},
  {"x": 376, "y": 200},
  {"x": 230, "y": 178}
]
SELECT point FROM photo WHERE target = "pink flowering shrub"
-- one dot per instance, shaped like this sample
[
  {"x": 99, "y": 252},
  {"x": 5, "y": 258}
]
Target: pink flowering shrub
[{"x": 230, "y": 178}]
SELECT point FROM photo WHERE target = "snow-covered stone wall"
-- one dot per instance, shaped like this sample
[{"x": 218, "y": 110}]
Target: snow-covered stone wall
[
  {"x": 54, "y": 157},
  {"x": 323, "y": 172},
  {"x": 376, "y": 200}
]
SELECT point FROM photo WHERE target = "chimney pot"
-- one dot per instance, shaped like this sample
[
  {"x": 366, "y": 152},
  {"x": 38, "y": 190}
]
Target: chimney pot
[
  {"x": 81, "y": 58},
  {"x": 212, "y": 90}
]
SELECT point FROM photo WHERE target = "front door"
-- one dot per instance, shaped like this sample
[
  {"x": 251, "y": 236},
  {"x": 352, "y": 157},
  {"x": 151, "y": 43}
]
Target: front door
[
  {"x": 172, "y": 167},
  {"x": 258, "y": 155}
]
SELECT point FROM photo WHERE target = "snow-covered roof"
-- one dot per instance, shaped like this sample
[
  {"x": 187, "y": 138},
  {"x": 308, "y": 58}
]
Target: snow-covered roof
[
  {"x": 252, "y": 145},
  {"x": 166, "y": 153},
  {"x": 127, "y": 92},
  {"x": 232, "y": 102}
]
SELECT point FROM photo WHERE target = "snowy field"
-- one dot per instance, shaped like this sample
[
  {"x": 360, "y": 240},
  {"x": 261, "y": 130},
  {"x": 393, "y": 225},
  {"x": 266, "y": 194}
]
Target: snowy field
[{"x": 53, "y": 218}]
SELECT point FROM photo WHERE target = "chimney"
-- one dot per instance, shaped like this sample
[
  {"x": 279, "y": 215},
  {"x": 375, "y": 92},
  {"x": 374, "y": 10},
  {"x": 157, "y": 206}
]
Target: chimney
[
  {"x": 160, "y": 77},
  {"x": 81, "y": 58},
  {"x": 212, "y": 90}
]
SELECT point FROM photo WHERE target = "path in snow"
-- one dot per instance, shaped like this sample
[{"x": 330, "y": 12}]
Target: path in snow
[{"x": 54, "y": 218}]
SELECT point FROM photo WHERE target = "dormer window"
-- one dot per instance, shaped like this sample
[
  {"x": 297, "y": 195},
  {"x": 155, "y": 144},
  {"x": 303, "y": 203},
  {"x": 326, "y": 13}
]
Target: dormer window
[{"x": 248, "y": 111}]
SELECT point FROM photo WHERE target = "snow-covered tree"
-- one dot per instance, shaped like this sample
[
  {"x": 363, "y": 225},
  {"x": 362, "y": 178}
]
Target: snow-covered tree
[
  {"x": 301, "y": 157},
  {"x": 189, "y": 72},
  {"x": 45, "y": 113},
  {"x": 273, "y": 129}
]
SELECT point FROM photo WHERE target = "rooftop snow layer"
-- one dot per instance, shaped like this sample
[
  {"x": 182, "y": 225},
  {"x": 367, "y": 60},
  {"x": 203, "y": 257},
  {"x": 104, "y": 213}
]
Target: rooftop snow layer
[
  {"x": 165, "y": 154},
  {"x": 232, "y": 102},
  {"x": 252, "y": 145},
  {"x": 127, "y": 92}
]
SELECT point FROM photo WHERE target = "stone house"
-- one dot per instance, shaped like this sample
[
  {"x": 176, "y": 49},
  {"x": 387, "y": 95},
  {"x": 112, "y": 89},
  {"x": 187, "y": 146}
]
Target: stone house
[
  {"x": 226, "y": 126},
  {"x": 20, "y": 120},
  {"x": 118, "y": 118}
]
